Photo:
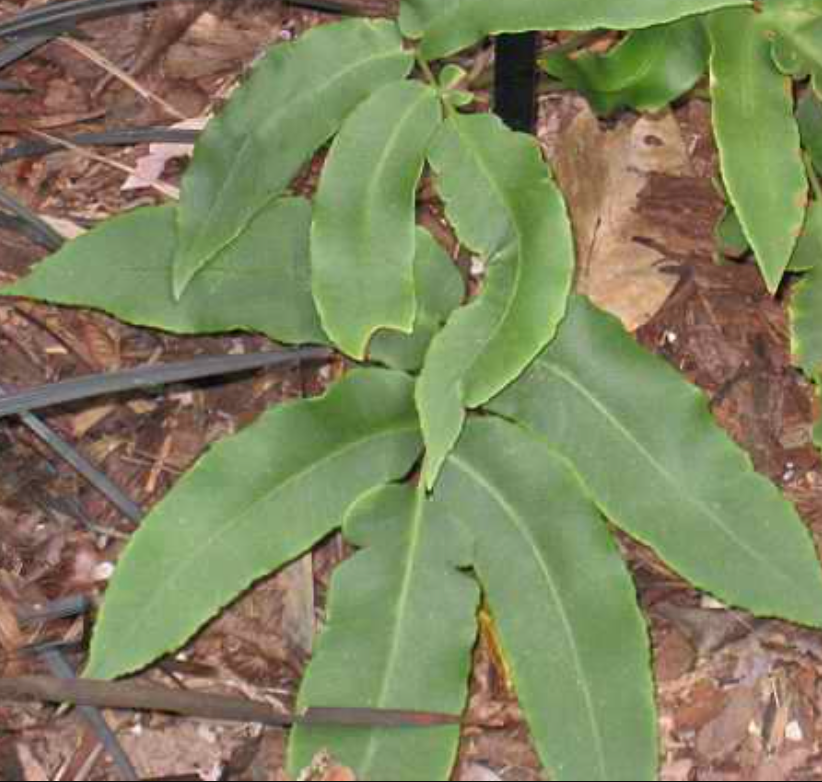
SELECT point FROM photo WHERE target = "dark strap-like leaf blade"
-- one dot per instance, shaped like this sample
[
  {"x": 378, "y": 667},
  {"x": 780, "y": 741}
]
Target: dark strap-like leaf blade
[
  {"x": 485, "y": 346},
  {"x": 261, "y": 282},
  {"x": 295, "y": 100},
  {"x": 643, "y": 441},
  {"x": 574, "y": 638},
  {"x": 363, "y": 238},
  {"x": 469, "y": 21},
  {"x": 402, "y": 624},
  {"x": 253, "y": 503}
]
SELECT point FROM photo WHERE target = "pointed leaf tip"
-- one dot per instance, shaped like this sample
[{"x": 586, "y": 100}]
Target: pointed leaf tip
[
  {"x": 579, "y": 621},
  {"x": 756, "y": 131},
  {"x": 284, "y": 483},
  {"x": 363, "y": 239},
  {"x": 483, "y": 169},
  {"x": 405, "y": 615},
  {"x": 123, "y": 267},
  {"x": 295, "y": 100},
  {"x": 644, "y": 443}
]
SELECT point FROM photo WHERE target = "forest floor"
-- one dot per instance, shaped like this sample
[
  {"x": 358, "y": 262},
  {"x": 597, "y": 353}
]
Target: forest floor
[{"x": 739, "y": 698}]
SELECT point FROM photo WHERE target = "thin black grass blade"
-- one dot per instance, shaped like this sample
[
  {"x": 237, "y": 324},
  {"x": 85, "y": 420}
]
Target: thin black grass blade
[
  {"x": 12, "y": 86},
  {"x": 52, "y": 17},
  {"x": 16, "y": 50},
  {"x": 47, "y": 236},
  {"x": 148, "y": 377},
  {"x": 60, "y": 668},
  {"x": 24, "y": 228},
  {"x": 62, "y": 608},
  {"x": 111, "y": 138},
  {"x": 98, "y": 479},
  {"x": 325, "y": 6}
]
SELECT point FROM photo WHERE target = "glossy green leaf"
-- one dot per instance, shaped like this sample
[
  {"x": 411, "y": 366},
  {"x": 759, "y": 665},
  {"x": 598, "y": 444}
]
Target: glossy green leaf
[
  {"x": 469, "y": 21},
  {"x": 648, "y": 70},
  {"x": 794, "y": 28},
  {"x": 363, "y": 239},
  {"x": 402, "y": 626},
  {"x": 473, "y": 193},
  {"x": 730, "y": 235},
  {"x": 253, "y": 503},
  {"x": 817, "y": 428},
  {"x": 262, "y": 282},
  {"x": 486, "y": 345},
  {"x": 569, "y": 623},
  {"x": 450, "y": 80},
  {"x": 440, "y": 290},
  {"x": 758, "y": 140},
  {"x": 643, "y": 441},
  {"x": 416, "y": 15},
  {"x": 809, "y": 117},
  {"x": 806, "y": 299},
  {"x": 296, "y": 99}
]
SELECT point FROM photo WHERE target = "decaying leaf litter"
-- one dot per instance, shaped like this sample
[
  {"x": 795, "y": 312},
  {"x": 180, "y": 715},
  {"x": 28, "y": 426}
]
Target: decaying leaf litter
[{"x": 739, "y": 697}]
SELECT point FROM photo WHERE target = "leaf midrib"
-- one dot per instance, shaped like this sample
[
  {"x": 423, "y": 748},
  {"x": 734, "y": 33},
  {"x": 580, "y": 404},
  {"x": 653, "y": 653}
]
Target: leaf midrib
[
  {"x": 371, "y": 195},
  {"x": 287, "y": 111},
  {"x": 401, "y": 604},
  {"x": 509, "y": 305},
  {"x": 660, "y": 469},
  {"x": 521, "y": 526},
  {"x": 184, "y": 562},
  {"x": 748, "y": 91}
]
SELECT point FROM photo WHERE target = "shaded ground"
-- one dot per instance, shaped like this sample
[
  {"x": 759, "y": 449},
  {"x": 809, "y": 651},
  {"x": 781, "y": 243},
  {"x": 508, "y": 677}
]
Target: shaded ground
[{"x": 739, "y": 698}]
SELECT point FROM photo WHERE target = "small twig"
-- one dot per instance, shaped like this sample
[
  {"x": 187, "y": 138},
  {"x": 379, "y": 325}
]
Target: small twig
[
  {"x": 141, "y": 697},
  {"x": 118, "y": 73},
  {"x": 60, "y": 669},
  {"x": 167, "y": 190},
  {"x": 99, "y": 480},
  {"x": 114, "y": 138},
  {"x": 146, "y": 377}
]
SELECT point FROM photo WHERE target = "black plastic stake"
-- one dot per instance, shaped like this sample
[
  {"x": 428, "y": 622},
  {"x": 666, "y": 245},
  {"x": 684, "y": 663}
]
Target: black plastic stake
[{"x": 515, "y": 81}]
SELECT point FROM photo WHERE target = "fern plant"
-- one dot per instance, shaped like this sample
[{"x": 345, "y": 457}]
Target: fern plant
[{"x": 532, "y": 415}]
